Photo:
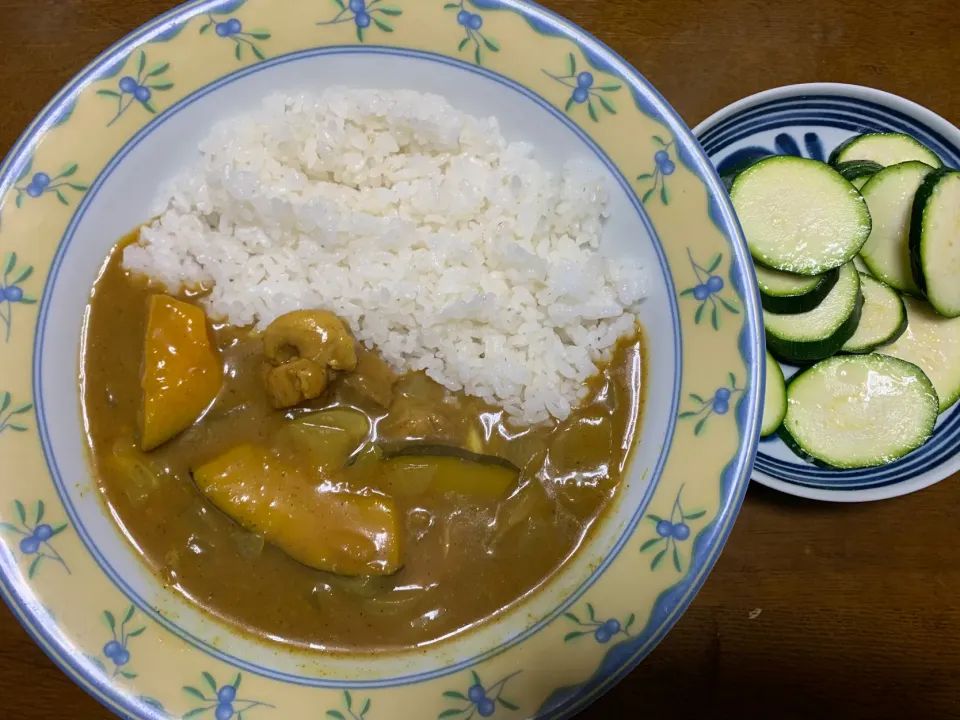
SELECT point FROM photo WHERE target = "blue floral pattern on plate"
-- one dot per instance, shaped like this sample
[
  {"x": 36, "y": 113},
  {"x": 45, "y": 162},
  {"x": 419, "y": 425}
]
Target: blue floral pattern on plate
[
  {"x": 481, "y": 700},
  {"x": 716, "y": 404},
  {"x": 708, "y": 289},
  {"x": 602, "y": 630},
  {"x": 663, "y": 167},
  {"x": 472, "y": 22},
  {"x": 116, "y": 650},
  {"x": 673, "y": 530},
  {"x": 41, "y": 183},
  {"x": 584, "y": 90},
  {"x": 223, "y": 700},
  {"x": 363, "y": 14},
  {"x": 230, "y": 28},
  {"x": 36, "y": 536},
  {"x": 11, "y": 293},
  {"x": 138, "y": 89}
]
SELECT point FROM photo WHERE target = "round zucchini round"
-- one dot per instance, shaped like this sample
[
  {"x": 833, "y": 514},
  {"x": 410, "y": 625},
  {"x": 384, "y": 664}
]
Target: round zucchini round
[
  {"x": 884, "y": 149},
  {"x": 855, "y": 411},
  {"x": 803, "y": 338},
  {"x": 882, "y": 320},
  {"x": 798, "y": 215}
]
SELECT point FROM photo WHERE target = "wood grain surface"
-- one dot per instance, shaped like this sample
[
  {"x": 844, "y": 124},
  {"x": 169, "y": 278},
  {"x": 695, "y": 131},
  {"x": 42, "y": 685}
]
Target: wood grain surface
[{"x": 813, "y": 610}]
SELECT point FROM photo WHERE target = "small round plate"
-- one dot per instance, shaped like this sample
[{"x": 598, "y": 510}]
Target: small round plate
[{"x": 810, "y": 120}]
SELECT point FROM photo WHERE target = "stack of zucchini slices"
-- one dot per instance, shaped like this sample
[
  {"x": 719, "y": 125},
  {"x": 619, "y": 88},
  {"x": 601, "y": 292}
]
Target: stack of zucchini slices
[{"x": 858, "y": 263}]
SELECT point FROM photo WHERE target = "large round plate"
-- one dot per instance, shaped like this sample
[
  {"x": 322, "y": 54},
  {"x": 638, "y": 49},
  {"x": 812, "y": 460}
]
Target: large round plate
[
  {"x": 85, "y": 172},
  {"x": 810, "y": 120}
]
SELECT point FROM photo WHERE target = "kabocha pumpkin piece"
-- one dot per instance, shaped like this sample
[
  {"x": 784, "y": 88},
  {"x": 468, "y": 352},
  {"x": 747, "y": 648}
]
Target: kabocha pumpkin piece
[
  {"x": 338, "y": 532},
  {"x": 182, "y": 370}
]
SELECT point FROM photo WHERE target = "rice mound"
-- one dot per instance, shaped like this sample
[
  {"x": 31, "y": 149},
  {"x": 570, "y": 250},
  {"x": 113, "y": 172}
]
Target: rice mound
[{"x": 444, "y": 247}]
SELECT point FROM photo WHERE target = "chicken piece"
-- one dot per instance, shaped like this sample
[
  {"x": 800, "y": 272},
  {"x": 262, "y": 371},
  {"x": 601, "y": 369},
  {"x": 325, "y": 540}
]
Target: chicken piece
[
  {"x": 182, "y": 370},
  {"x": 337, "y": 532},
  {"x": 372, "y": 378},
  {"x": 305, "y": 345}
]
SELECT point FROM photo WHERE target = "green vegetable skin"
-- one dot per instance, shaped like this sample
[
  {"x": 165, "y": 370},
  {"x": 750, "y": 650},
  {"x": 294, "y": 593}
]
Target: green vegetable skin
[
  {"x": 807, "y": 337},
  {"x": 935, "y": 240}
]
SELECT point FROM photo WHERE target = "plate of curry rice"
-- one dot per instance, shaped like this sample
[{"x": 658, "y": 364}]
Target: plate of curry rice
[{"x": 357, "y": 366}]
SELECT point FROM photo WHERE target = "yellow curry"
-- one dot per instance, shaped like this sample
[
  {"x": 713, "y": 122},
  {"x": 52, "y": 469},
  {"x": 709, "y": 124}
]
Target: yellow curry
[{"x": 290, "y": 483}]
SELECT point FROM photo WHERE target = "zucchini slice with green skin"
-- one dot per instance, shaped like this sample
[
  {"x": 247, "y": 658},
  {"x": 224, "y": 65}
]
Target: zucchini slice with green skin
[
  {"x": 860, "y": 265},
  {"x": 798, "y": 215},
  {"x": 774, "y": 399},
  {"x": 857, "y": 172},
  {"x": 804, "y": 338},
  {"x": 935, "y": 240},
  {"x": 836, "y": 416},
  {"x": 932, "y": 342},
  {"x": 787, "y": 293},
  {"x": 884, "y": 149},
  {"x": 882, "y": 320},
  {"x": 889, "y": 195}
]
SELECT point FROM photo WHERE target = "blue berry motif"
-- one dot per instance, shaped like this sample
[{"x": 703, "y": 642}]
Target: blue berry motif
[
  {"x": 11, "y": 293},
  {"x": 583, "y": 90},
  {"x": 222, "y": 699},
  {"x": 40, "y": 183},
  {"x": 679, "y": 523},
  {"x": 716, "y": 404},
  {"x": 707, "y": 291},
  {"x": 231, "y": 28},
  {"x": 783, "y": 144},
  {"x": 603, "y": 631},
  {"x": 115, "y": 650},
  {"x": 350, "y": 712},
  {"x": 471, "y": 22},
  {"x": 36, "y": 537},
  {"x": 363, "y": 14},
  {"x": 138, "y": 89},
  {"x": 480, "y": 699},
  {"x": 128, "y": 84},
  {"x": 664, "y": 528},
  {"x": 663, "y": 167}
]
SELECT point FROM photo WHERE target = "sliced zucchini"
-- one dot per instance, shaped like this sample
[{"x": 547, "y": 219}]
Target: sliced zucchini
[
  {"x": 860, "y": 265},
  {"x": 799, "y": 215},
  {"x": 935, "y": 240},
  {"x": 884, "y": 149},
  {"x": 787, "y": 293},
  {"x": 889, "y": 195},
  {"x": 857, "y": 172},
  {"x": 932, "y": 342},
  {"x": 807, "y": 337},
  {"x": 774, "y": 399},
  {"x": 882, "y": 320},
  {"x": 859, "y": 411}
]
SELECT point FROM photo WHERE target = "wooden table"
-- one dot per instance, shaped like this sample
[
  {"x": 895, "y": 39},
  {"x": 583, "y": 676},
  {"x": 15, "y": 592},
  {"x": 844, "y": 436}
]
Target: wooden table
[{"x": 813, "y": 610}]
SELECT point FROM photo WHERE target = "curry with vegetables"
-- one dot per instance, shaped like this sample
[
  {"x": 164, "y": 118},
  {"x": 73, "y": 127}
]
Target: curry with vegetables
[{"x": 291, "y": 484}]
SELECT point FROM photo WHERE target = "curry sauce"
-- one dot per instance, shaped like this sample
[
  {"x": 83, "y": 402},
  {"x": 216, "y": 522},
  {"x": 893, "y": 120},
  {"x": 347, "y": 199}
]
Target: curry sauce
[{"x": 485, "y": 511}]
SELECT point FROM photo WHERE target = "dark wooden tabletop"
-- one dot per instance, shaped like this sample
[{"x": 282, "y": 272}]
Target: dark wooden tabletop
[{"x": 813, "y": 610}]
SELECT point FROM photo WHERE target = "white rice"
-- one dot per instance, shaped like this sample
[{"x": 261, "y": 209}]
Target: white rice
[{"x": 445, "y": 247}]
